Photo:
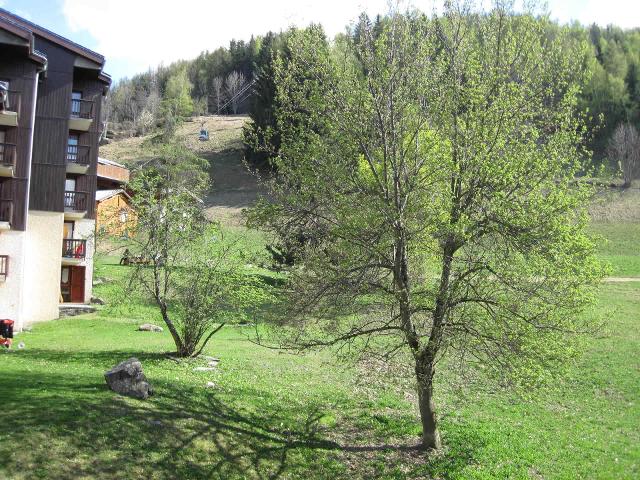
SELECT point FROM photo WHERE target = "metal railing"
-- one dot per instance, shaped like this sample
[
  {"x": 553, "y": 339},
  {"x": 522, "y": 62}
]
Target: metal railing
[
  {"x": 4, "y": 267},
  {"x": 6, "y": 211},
  {"x": 75, "y": 201},
  {"x": 73, "y": 248},
  {"x": 81, "y": 108},
  {"x": 7, "y": 154},
  {"x": 79, "y": 154}
]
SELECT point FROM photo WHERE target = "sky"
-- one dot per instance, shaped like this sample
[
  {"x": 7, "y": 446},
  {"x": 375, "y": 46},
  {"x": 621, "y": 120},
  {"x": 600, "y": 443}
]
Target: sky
[{"x": 135, "y": 35}]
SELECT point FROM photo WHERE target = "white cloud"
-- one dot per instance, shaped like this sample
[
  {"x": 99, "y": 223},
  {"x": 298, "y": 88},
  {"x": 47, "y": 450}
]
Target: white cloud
[
  {"x": 143, "y": 33},
  {"x": 623, "y": 13}
]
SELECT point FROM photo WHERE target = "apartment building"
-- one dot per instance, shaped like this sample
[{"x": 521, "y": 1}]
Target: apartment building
[{"x": 51, "y": 92}]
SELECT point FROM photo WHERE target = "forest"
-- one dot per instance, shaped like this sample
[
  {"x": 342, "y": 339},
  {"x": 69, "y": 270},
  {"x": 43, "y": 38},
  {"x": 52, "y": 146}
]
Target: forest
[{"x": 239, "y": 80}]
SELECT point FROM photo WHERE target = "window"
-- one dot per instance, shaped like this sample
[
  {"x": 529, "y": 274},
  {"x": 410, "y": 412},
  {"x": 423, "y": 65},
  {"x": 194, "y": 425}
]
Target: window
[
  {"x": 70, "y": 185},
  {"x": 2, "y": 146},
  {"x": 4, "y": 267},
  {"x": 67, "y": 230},
  {"x": 123, "y": 216},
  {"x": 4, "y": 95},
  {"x": 64, "y": 277},
  {"x": 76, "y": 101}
]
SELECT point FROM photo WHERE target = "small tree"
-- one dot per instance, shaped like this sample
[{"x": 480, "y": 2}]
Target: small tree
[
  {"x": 434, "y": 157},
  {"x": 233, "y": 85},
  {"x": 144, "y": 122},
  {"x": 624, "y": 148},
  {"x": 192, "y": 274},
  {"x": 217, "y": 91},
  {"x": 177, "y": 95},
  {"x": 200, "y": 106}
]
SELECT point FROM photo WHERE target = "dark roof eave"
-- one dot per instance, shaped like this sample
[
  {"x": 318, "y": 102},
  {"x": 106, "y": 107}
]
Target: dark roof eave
[
  {"x": 49, "y": 35},
  {"x": 27, "y": 36},
  {"x": 105, "y": 78}
]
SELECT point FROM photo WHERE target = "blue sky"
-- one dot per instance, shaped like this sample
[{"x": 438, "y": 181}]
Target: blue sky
[{"x": 172, "y": 30}]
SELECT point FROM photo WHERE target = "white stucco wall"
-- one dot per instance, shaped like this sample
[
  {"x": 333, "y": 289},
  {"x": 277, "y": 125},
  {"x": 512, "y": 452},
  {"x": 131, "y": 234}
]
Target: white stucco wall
[
  {"x": 85, "y": 229},
  {"x": 12, "y": 243},
  {"x": 42, "y": 267}
]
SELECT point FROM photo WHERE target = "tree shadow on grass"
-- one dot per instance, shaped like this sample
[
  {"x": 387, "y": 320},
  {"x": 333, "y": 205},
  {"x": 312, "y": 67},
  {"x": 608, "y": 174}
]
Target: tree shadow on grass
[{"x": 64, "y": 423}]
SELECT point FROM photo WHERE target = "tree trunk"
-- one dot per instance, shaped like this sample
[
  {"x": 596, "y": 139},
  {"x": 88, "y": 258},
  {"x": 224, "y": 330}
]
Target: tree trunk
[
  {"x": 430, "y": 433},
  {"x": 172, "y": 329}
]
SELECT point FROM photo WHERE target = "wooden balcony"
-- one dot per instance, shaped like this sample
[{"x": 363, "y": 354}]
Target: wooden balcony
[
  {"x": 6, "y": 214},
  {"x": 10, "y": 109},
  {"x": 78, "y": 159},
  {"x": 75, "y": 205},
  {"x": 74, "y": 251},
  {"x": 81, "y": 114},
  {"x": 7, "y": 159},
  {"x": 4, "y": 267}
]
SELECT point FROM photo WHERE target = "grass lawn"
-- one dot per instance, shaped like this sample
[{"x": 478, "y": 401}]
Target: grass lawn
[
  {"x": 276, "y": 415},
  {"x": 621, "y": 247}
]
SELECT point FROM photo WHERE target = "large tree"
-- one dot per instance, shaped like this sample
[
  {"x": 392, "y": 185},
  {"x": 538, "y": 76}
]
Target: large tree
[{"x": 430, "y": 161}]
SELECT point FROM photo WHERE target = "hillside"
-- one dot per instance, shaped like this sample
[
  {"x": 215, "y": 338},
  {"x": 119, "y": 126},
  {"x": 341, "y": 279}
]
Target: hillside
[{"x": 233, "y": 186}]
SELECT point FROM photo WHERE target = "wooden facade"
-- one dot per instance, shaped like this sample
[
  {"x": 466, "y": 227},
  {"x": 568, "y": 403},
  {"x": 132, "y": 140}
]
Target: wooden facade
[
  {"x": 115, "y": 214},
  {"x": 41, "y": 155},
  {"x": 21, "y": 73}
]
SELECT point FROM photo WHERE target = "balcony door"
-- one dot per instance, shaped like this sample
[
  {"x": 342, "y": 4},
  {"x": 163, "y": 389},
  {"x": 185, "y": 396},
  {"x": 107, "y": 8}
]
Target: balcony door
[
  {"x": 76, "y": 98},
  {"x": 72, "y": 147},
  {"x": 72, "y": 284}
]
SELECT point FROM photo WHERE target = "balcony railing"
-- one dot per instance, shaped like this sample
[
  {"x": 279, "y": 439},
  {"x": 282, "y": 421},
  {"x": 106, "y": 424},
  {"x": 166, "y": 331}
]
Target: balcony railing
[
  {"x": 72, "y": 248},
  {"x": 75, "y": 201},
  {"x": 6, "y": 211},
  {"x": 7, "y": 155},
  {"x": 81, "y": 108},
  {"x": 4, "y": 267},
  {"x": 79, "y": 155}
]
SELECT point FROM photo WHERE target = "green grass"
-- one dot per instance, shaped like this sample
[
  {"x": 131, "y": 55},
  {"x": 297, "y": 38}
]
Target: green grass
[
  {"x": 621, "y": 247},
  {"x": 276, "y": 415}
]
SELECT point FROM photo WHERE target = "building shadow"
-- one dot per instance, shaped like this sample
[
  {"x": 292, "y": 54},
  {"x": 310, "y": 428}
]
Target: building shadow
[{"x": 66, "y": 424}]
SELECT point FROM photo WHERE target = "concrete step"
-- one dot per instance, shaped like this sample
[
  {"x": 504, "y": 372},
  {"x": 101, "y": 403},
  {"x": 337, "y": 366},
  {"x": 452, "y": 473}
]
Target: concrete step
[{"x": 73, "y": 309}]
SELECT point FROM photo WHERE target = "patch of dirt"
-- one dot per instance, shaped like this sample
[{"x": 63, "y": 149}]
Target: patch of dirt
[{"x": 616, "y": 206}]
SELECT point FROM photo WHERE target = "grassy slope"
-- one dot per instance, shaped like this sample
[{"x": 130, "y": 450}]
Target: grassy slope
[{"x": 274, "y": 415}]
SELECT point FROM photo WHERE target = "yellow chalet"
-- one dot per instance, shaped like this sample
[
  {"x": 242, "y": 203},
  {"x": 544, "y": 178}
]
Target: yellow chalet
[{"x": 114, "y": 213}]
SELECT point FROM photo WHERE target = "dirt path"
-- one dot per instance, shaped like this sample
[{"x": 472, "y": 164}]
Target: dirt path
[
  {"x": 234, "y": 187},
  {"x": 621, "y": 279}
]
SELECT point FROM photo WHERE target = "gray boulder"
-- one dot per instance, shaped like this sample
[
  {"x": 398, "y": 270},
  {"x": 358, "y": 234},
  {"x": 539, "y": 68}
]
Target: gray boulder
[
  {"x": 127, "y": 378},
  {"x": 149, "y": 327}
]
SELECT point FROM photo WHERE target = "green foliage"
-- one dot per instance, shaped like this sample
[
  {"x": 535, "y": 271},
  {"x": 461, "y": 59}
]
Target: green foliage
[
  {"x": 177, "y": 95},
  {"x": 611, "y": 97}
]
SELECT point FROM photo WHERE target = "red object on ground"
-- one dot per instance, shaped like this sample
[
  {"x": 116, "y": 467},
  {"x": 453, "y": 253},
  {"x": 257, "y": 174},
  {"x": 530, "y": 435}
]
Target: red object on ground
[{"x": 6, "y": 332}]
